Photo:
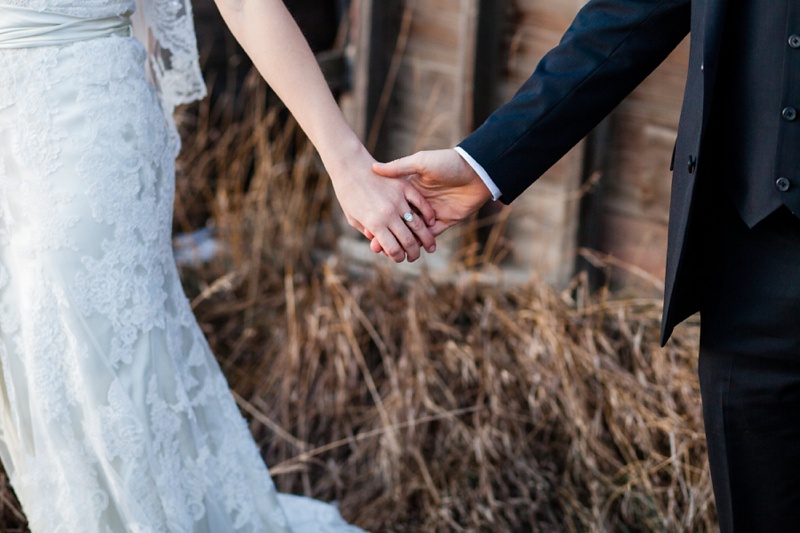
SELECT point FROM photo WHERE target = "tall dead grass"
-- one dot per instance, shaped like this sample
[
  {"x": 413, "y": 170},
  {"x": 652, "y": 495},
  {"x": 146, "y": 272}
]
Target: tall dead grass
[{"x": 424, "y": 406}]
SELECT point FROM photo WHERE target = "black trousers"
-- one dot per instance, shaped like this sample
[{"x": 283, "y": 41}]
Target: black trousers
[{"x": 750, "y": 367}]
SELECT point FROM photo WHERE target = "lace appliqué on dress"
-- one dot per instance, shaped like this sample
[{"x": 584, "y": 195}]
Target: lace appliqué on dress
[
  {"x": 166, "y": 28},
  {"x": 128, "y": 422}
]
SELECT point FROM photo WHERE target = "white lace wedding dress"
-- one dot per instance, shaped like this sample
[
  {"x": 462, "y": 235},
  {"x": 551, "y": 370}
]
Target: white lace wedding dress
[{"x": 114, "y": 416}]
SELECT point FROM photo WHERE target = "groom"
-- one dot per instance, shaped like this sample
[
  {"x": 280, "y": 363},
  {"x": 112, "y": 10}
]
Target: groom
[{"x": 734, "y": 240}]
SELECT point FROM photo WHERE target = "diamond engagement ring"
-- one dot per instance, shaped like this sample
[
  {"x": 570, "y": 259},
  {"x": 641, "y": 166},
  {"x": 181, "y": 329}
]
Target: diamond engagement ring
[{"x": 408, "y": 217}]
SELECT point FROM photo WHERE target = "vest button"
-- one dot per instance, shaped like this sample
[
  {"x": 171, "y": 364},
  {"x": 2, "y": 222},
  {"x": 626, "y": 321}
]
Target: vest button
[
  {"x": 782, "y": 184},
  {"x": 789, "y": 113},
  {"x": 692, "y": 164},
  {"x": 794, "y": 41}
]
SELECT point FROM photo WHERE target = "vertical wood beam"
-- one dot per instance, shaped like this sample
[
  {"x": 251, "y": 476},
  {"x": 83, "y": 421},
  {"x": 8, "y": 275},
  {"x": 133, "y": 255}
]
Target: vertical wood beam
[
  {"x": 376, "y": 30},
  {"x": 491, "y": 26},
  {"x": 467, "y": 53}
]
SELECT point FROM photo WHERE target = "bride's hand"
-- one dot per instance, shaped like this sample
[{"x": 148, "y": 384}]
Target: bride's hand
[{"x": 376, "y": 207}]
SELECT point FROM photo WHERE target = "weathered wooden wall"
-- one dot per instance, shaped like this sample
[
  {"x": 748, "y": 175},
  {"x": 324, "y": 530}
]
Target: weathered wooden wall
[
  {"x": 459, "y": 59},
  {"x": 430, "y": 77},
  {"x": 545, "y": 221},
  {"x": 635, "y": 200}
]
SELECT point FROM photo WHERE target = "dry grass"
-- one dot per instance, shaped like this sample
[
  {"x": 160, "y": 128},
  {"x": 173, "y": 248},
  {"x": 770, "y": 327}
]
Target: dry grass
[{"x": 424, "y": 406}]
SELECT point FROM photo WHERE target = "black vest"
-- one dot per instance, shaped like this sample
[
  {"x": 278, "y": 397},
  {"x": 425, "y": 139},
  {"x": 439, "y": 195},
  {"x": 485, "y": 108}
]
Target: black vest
[{"x": 754, "y": 129}]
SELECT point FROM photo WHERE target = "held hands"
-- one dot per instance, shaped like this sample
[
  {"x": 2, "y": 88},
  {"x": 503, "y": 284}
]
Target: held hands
[
  {"x": 392, "y": 213},
  {"x": 451, "y": 187},
  {"x": 374, "y": 205}
]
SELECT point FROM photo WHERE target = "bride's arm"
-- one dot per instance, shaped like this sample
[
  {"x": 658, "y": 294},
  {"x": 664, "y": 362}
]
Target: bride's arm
[{"x": 372, "y": 204}]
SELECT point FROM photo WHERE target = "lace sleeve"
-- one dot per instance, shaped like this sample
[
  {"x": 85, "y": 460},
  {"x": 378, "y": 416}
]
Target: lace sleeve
[{"x": 166, "y": 29}]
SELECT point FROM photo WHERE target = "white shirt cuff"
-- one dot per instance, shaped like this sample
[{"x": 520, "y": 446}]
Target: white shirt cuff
[{"x": 481, "y": 172}]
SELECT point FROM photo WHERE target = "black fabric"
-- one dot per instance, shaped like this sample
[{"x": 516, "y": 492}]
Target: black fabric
[
  {"x": 747, "y": 123},
  {"x": 750, "y": 282},
  {"x": 751, "y": 407},
  {"x": 750, "y": 363}
]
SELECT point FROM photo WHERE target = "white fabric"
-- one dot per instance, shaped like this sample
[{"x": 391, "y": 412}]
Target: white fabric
[
  {"x": 90, "y": 9},
  {"x": 24, "y": 28},
  {"x": 114, "y": 415},
  {"x": 478, "y": 168},
  {"x": 166, "y": 29}
]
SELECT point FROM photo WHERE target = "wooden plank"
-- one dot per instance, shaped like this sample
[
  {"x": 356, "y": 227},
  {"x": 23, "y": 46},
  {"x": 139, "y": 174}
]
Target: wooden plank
[
  {"x": 659, "y": 98},
  {"x": 639, "y": 243},
  {"x": 532, "y": 28},
  {"x": 635, "y": 206},
  {"x": 433, "y": 92},
  {"x": 425, "y": 110},
  {"x": 355, "y": 104},
  {"x": 544, "y": 222},
  {"x": 641, "y": 185},
  {"x": 468, "y": 40}
]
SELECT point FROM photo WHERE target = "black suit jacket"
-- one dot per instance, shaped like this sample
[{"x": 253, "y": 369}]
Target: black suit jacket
[{"x": 611, "y": 46}]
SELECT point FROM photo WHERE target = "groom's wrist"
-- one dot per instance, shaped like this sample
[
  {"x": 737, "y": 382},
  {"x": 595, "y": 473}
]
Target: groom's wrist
[{"x": 481, "y": 172}]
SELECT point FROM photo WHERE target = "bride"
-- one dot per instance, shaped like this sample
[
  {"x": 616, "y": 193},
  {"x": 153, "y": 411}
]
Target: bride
[{"x": 114, "y": 416}]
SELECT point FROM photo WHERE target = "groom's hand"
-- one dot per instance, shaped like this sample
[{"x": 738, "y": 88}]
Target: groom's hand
[{"x": 451, "y": 187}]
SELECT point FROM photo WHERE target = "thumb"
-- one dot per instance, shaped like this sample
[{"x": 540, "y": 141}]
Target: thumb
[{"x": 399, "y": 168}]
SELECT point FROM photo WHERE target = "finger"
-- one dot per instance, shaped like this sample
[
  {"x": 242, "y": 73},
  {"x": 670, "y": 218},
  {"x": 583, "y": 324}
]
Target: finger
[
  {"x": 353, "y": 222},
  {"x": 420, "y": 230},
  {"x": 415, "y": 198},
  {"x": 399, "y": 168},
  {"x": 390, "y": 244},
  {"x": 406, "y": 238},
  {"x": 375, "y": 246}
]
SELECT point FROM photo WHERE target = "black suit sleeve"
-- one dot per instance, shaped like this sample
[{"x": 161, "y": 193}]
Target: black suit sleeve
[{"x": 611, "y": 46}]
